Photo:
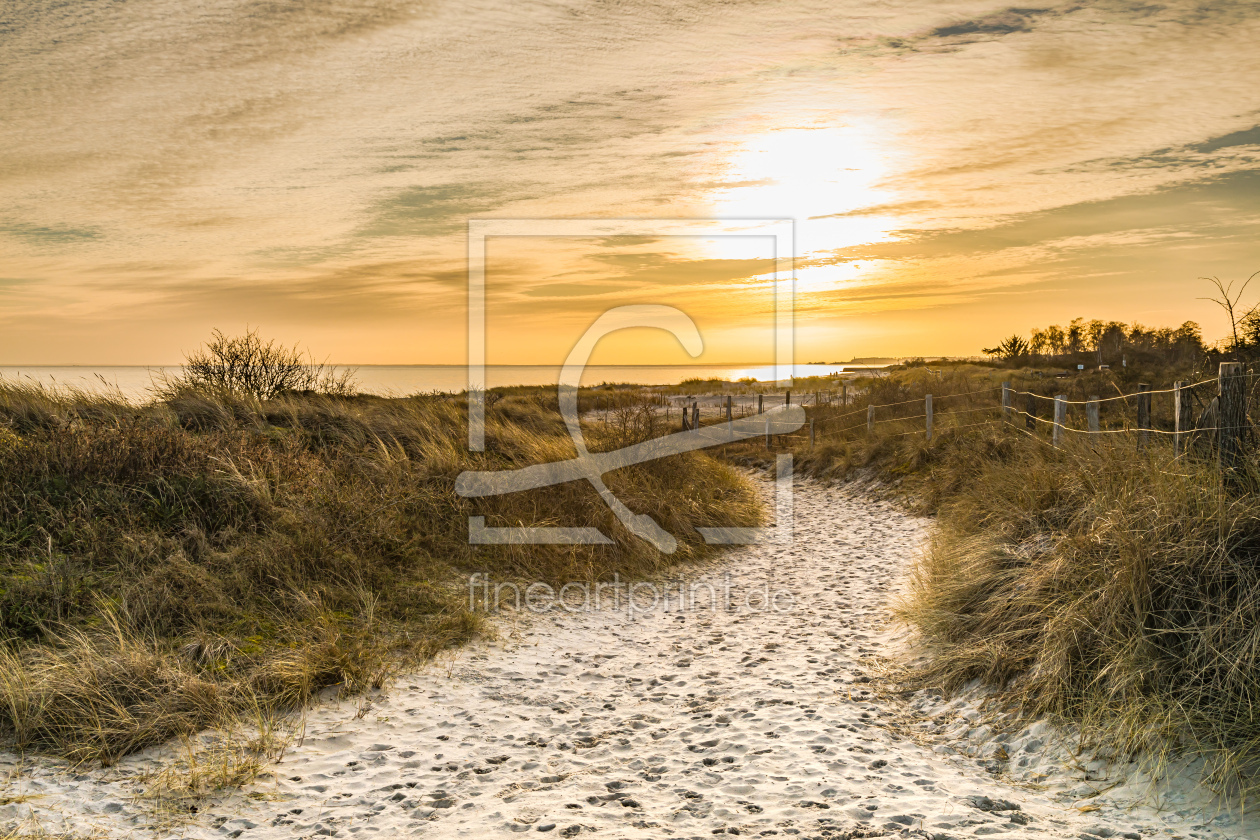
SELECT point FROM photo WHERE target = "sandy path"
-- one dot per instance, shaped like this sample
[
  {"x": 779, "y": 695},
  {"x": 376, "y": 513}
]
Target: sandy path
[{"x": 674, "y": 724}]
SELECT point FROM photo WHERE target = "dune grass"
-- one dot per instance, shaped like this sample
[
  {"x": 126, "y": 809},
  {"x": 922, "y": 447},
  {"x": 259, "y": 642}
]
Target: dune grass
[
  {"x": 1115, "y": 589},
  {"x": 173, "y": 566},
  {"x": 1119, "y": 590}
]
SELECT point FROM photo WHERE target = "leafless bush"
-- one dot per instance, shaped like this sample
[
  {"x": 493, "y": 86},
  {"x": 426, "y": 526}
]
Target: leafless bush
[
  {"x": 248, "y": 365},
  {"x": 635, "y": 423}
]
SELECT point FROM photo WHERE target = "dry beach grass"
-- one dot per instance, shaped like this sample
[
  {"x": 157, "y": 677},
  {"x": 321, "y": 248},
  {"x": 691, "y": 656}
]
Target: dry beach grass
[
  {"x": 1110, "y": 588},
  {"x": 739, "y": 717},
  {"x": 172, "y": 566},
  {"x": 214, "y": 557}
]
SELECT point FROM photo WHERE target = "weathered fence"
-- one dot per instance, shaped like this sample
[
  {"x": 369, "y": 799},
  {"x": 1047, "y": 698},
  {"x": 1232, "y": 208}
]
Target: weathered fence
[{"x": 1221, "y": 424}]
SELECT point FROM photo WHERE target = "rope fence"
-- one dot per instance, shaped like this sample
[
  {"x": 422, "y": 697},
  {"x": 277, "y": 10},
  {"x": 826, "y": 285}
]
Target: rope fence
[
  {"x": 1172, "y": 390},
  {"x": 1209, "y": 413}
]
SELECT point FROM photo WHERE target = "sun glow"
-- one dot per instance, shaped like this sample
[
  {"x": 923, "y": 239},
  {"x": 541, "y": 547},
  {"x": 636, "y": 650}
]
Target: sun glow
[{"x": 826, "y": 178}]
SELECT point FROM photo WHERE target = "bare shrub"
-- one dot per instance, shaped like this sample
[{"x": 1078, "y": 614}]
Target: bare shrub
[{"x": 249, "y": 365}]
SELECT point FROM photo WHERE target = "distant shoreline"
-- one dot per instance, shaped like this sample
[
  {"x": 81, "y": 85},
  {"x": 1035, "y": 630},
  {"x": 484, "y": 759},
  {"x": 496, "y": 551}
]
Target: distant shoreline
[
  {"x": 136, "y": 382},
  {"x": 862, "y": 364}
]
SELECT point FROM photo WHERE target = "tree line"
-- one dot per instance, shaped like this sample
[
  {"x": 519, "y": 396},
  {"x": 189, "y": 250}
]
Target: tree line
[
  {"x": 1112, "y": 342},
  {"x": 1098, "y": 342}
]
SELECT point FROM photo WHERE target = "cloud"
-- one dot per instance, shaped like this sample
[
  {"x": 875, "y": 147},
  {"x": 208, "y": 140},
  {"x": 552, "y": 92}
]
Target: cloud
[
  {"x": 431, "y": 211},
  {"x": 321, "y": 159},
  {"x": 640, "y": 278},
  {"x": 568, "y": 290},
  {"x": 1246, "y": 137},
  {"x": 1202, "y": 208},
  {"x": 1003, "y": 22},
  {"x": 49, "y": 234}
]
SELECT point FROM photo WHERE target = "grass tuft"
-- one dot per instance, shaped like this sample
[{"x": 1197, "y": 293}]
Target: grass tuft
[
  {"x": 173, "y": 566},
  {"x": 1093, "y": 583},
  {"x": 1118, "y": 590}
]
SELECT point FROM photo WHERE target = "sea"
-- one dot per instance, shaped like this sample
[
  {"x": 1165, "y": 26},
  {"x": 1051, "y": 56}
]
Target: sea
[{"x": 137, "y": 383}]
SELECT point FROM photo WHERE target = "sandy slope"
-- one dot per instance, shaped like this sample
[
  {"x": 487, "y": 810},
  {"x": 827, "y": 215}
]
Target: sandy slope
[{"x": 745, "y": 721}]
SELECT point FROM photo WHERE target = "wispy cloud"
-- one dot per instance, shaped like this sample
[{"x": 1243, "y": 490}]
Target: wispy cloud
[{"x": 313, "y": 165}]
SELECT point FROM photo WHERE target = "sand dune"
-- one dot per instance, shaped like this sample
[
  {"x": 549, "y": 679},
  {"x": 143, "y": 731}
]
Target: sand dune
[{"x": 734, "y": 720}]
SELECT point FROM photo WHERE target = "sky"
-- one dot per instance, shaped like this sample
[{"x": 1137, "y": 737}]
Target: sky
[{"x": 956, "y": 172}]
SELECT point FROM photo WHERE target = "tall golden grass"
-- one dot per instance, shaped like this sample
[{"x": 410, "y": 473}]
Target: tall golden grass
[
  {"x": 1113, "y": 588},
  {"x": 168, "y": 567}
]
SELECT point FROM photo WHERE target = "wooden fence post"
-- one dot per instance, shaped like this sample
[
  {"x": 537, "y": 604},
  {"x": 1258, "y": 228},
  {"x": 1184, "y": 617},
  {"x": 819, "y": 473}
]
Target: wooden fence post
[
  {"x": 1060, "y": 419},
  {"x": 787, "y": 398},
  {"x": 927, "y": 409},
  {"x": 695, "y": 416},
  {"x": 760, "y": 397},
  {"x": 870, "y": 418},
  {"x": 1144, "y": 416},
  {"x": 844, "y": 395},
  {"x": 1091, "y": 414},
  {"x": 728, "y": 410},
  {"x": 1006, "y": 401},
  {"x": 1233, "y": 419},
  {"x": 1030, "y": 409},
  {"x": 1183, "y": 412}
]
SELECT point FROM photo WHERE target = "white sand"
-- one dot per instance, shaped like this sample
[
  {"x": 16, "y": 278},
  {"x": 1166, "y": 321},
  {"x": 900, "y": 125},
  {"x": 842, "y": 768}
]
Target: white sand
[{"x": 675, "y": 724}]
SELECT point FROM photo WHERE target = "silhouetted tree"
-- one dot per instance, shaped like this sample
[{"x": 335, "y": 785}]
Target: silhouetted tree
[
  {"x": 249, "y": 366},
  {"x": 1226, "y": 298},
  {"x": 1039, "y": 342},
  {"x": 1056, "y": 339},
  {"x": 1011, "y": 349},
  {"x": 1076, "y": 335}
]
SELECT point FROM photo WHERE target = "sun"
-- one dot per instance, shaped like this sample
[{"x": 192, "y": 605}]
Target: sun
[{"x": 821, "y": 176}]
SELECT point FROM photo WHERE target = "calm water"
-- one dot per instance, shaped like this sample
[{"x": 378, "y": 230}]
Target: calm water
[{"x": 136, "y": 383}]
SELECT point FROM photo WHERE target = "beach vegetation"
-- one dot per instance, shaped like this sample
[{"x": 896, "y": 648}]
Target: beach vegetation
[
  {"x": 1112, "y": 586},
  {"x": 222, "y": 551}
]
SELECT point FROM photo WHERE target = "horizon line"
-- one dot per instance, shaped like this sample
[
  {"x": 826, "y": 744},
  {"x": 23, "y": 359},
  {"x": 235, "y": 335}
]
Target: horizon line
[{"x": 491, "y": 364}]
